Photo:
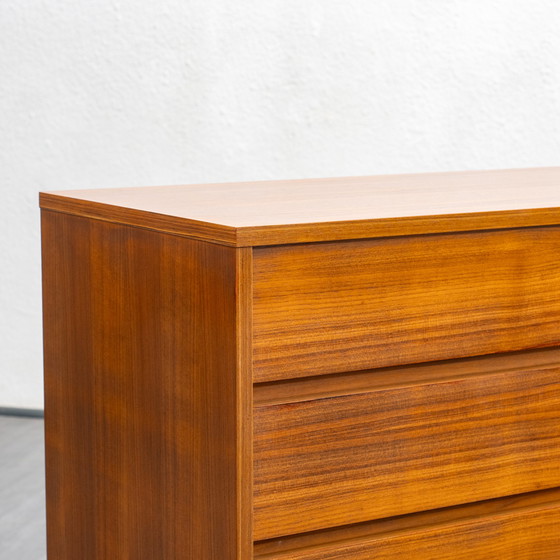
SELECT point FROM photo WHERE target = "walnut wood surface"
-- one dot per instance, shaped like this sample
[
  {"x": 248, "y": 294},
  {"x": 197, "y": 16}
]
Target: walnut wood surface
[
  {"x": 146, "y": 394},
  {"x": 162, "y": 306},
  {"x": 334, "y": 307},
  {"x": 520, "y": 527},
  {"x": 352, "y": 383},
  {"x": 395, "y": 449},
  {"x": 279, "y": 212}
]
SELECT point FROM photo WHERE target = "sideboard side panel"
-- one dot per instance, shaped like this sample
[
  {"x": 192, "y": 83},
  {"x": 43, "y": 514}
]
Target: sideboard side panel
[{"x": 146, "y": 400}]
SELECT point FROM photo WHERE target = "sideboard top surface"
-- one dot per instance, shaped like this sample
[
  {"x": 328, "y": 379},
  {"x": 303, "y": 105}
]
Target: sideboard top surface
[{"x": 310, "y": 210}]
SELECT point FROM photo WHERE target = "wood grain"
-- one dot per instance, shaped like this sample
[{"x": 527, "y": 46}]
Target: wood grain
[
  {"x": 146, "y": 394},
  {"x": 333, "y": 307},
  {"x": 427, "y": 441},
  {"x": 352, "y": 383},
  {"x": 244, "y": 402},
  {"x": 163, "y": 305},
  {"x": 303, "y": 211},
  {"x": 520, "y": 527}
]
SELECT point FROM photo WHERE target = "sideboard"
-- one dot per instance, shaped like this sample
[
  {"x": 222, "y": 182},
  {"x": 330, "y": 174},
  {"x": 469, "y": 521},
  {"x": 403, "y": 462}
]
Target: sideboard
[{"x": 326, "y": 369}]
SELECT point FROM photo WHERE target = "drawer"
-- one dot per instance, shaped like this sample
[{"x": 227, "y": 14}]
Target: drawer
[
  {"x": 343, "y": 449},
  {"x": 346, "y": 306},
  {"x": 520, "y": 527}
]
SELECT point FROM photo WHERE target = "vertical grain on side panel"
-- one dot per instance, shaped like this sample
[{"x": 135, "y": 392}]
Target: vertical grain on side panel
[
  {"x": 145, "y": 394},
  {"x": 244, "y": 299}
]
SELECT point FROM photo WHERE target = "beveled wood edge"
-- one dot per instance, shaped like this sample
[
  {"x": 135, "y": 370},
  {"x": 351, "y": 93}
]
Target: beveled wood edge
[
  {"x": 244, "y": 337},
  {"x": 369, "y": 531},
  {"x": 255, "y": 236},
  {"x": 201, "y": 231},
  {"x": 397, "y": 227}
]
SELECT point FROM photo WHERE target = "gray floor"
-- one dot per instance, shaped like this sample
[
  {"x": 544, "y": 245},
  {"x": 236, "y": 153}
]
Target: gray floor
[{"x": 22, "y": 492}]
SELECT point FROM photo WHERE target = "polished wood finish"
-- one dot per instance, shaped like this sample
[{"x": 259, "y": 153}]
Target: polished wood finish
[
  {"x": 437, "y": 441},
  {"x": 303, "y": 211},
  {"x": 147, "y": 394},
  {"x": 520, "y": 527},
  {"x": 352, "y": 383},
  {"x": 334, "y": 307},
  {"x": 329, "y": 369}
]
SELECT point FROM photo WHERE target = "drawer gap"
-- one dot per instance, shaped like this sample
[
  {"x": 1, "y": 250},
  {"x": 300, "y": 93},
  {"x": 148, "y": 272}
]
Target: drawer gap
[
  {"x": 338, "y": 384},
  {"x": 385, "y": 528}
]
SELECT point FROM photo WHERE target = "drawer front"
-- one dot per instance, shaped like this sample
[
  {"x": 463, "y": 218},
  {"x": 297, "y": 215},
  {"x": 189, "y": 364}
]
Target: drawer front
[
  {"x": 520, "y": 532},
  {"x": 432, "y": 437},
  {"x": 333, "y": 307}
]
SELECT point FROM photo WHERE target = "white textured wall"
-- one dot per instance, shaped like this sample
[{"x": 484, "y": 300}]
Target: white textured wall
[{"x": 126, "y": 92}]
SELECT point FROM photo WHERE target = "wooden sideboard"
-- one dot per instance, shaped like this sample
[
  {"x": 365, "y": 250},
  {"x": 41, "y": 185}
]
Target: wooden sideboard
[{"x": 328, "y": 369}]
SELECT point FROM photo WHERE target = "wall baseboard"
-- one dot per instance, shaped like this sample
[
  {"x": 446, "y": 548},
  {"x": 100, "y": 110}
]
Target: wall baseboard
[{"x": 26, "y": 412}]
